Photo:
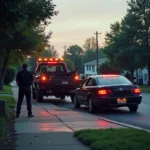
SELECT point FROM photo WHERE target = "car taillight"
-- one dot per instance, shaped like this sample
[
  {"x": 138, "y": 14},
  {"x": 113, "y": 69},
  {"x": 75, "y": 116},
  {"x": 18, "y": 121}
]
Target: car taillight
[
  {"x": 104, "y": 92},
  {"x": 43, "y": 78},
  {"x": 136, "y": 91}
]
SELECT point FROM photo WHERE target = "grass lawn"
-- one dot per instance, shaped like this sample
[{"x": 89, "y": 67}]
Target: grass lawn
[
  {"x": 115, "y": 139},
  {"x": 145, "y": 88},
  {"x": 2, "y": 127},
  {"x": 10, "y": 101},
  {"x": 7, "y": 90}
]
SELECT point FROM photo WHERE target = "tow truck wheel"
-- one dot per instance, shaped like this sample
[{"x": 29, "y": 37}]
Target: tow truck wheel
[
  {"x": 39, "y": 97},
  {"x": 33, "y": 93},
  {"x": 72, "y": 99}
]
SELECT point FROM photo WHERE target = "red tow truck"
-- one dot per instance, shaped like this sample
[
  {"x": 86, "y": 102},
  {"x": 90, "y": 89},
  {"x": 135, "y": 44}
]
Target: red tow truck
[{"x": 52, "y": 78}]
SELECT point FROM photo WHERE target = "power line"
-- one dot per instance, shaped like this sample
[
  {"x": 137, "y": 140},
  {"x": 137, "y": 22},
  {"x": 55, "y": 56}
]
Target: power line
[{"x": 97, "y": 48}]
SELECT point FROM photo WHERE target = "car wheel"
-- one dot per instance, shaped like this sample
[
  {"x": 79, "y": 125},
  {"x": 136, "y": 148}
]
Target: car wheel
[
  {"x": 133, "y": 108},
  {"x": 92, "y": 108},
  {"x": 62, "y": 97},
  {"x": 76, "y": 104},
  {"x": 39, "y": 96}
]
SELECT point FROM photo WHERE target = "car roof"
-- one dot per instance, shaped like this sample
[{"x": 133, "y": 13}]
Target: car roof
[{"x": 105, "y": 75}]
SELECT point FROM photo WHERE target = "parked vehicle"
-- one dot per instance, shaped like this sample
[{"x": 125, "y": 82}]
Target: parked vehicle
[
  {"x": 53, "y": 79},
  {"x": 107, "y": 91}
]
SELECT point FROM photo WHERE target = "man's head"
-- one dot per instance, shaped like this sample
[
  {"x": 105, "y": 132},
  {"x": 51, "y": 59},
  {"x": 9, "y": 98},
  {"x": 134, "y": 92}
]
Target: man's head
[{"x": 24, "y": 66}]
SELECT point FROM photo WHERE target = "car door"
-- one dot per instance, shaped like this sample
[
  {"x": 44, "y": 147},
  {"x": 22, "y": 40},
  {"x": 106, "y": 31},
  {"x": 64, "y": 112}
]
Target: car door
[
  {"x": 88, "y": 89},
  {"x": 80, "y": 90}
]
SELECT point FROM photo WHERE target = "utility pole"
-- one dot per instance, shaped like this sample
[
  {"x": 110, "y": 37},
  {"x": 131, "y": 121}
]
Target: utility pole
[{"x": 97, "y": 47}]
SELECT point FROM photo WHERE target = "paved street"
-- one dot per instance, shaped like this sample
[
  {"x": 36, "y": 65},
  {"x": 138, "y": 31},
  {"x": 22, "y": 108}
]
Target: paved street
[
  {"x": 53, "y": 127},
  {"x": 123, "y": 115}
]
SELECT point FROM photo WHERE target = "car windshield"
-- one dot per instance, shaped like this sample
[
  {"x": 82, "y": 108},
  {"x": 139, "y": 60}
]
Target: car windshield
[{"x": 117, "y": 80}]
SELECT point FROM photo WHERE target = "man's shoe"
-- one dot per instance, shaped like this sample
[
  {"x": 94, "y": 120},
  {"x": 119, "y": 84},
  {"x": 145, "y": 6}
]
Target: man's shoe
[{"x": 30, "y": 115}]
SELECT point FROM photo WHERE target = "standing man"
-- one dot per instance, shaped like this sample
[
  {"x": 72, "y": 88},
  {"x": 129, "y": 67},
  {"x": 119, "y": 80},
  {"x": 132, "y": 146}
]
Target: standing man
[{"x": 24, "y": 80}]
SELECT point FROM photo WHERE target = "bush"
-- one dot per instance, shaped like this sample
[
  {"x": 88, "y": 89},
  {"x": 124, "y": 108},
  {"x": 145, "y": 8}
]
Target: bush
[{"x": 10, "y": 75}]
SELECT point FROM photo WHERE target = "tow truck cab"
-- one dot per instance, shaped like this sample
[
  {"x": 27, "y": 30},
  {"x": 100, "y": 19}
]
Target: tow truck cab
[{"x": 53, "y": 79}]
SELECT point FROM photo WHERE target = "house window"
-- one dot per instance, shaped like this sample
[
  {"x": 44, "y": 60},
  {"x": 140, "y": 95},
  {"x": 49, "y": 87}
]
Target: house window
[
  {"x": 90, "y": 68},
  {"x": 87, "y": 67},
  {"x": 93, "y": 68},
  {"x": 145, "y": 77}
]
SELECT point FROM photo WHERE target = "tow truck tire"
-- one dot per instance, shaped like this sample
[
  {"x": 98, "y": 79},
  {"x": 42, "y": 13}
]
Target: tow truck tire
[
  {"x": 72, "y": 99},
  {"x": 39, "y": 96},
  {"x": 33, "y": 93}
]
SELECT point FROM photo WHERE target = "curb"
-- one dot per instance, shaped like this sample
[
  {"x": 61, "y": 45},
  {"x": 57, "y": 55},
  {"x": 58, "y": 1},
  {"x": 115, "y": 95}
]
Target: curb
[{"x": 112, "y": 121}]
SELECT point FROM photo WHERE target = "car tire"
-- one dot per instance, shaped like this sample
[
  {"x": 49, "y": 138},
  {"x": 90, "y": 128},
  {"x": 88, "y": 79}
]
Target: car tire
[
  {"x": 63, "y": 97},
  {"x": 33, "y": 93},
  {"x": 91, "y": 107},
  {"x": 76, "y": 103},
  {"x": 133, "y": 108},
  {"x": 39, "y": 96}
]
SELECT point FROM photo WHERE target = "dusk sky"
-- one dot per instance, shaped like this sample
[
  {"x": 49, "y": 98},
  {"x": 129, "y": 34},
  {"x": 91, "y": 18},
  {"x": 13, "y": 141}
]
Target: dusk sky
[{"x": 79, "y": 19}]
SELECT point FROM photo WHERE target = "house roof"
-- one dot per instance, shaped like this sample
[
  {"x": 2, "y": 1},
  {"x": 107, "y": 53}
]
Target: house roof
[{"x": 100, "y": 61}]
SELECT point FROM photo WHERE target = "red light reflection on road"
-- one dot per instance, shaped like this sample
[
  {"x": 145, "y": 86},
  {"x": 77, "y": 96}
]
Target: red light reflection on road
[
  {"x": 45, "y": 127},
  {"x": 103, "y": 124},
  {"x": 43, "y": 113}
]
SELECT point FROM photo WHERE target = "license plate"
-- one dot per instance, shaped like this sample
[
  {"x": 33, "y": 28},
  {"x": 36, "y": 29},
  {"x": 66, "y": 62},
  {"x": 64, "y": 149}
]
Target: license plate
[
  {"x": 64, "y": 82},
  {"x": 121, "y": 100}
]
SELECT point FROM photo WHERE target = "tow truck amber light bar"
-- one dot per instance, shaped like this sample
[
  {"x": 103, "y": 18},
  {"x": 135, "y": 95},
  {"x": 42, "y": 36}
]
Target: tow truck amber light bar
[{"x": 49, "y": 60}]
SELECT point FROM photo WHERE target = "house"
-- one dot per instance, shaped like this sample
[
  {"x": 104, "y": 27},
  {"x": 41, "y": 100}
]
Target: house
[
  {"x": 90, "y": 68},
  {"x": 141, "y": 75}
]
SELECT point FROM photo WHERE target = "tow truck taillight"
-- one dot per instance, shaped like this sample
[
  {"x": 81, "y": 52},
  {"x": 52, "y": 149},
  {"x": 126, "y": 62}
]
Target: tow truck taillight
[
  {"x": 76, "y": 77},
  {"x": 43, "y": 78},
  {"x": 136, "y": 91},
  {"x": 104, "y": 92}
]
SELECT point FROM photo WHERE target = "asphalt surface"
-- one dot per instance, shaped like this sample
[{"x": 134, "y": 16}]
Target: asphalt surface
[{"x": 140, "y": 119}]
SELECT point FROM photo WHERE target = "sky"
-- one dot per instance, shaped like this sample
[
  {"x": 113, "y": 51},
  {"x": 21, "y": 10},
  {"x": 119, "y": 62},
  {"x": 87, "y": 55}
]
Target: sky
[{"x": 80, "y": 19}]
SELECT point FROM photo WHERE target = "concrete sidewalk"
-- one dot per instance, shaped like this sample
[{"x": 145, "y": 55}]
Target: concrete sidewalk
[{"x": 53, "y": 128}]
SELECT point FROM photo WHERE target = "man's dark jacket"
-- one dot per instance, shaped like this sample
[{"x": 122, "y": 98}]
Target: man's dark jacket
[{"x": 24, "y": 78}]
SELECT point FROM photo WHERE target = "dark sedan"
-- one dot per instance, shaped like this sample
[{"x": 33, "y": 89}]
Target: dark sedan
[{"x": 107, "y": 91}]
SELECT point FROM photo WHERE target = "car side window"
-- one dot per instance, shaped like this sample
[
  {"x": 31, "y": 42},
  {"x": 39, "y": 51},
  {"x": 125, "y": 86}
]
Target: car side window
[
  {"x": 91, "y": 82},
  {"x": 83, "y": 83}
]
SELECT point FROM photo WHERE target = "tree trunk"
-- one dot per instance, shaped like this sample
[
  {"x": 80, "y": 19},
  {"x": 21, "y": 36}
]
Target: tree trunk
[
  {"x": 1, "y": 81},
  {"x": 131, "y": 75},
  {"x": 3, "y": 70}
]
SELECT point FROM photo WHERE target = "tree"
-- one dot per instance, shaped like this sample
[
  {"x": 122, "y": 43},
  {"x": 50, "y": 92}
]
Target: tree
[
  {"x": 90, "y": 44},
  {"x": 69, "y": 64},
  {"x": 21, "y": 20},
  {"x": 141, "y": 8},
  {"x": 112, "y": 35},
  {"x": 74, "y": 53},
  {"x": 108, "y": 68},
  {"x": 123, "y": 46}
]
